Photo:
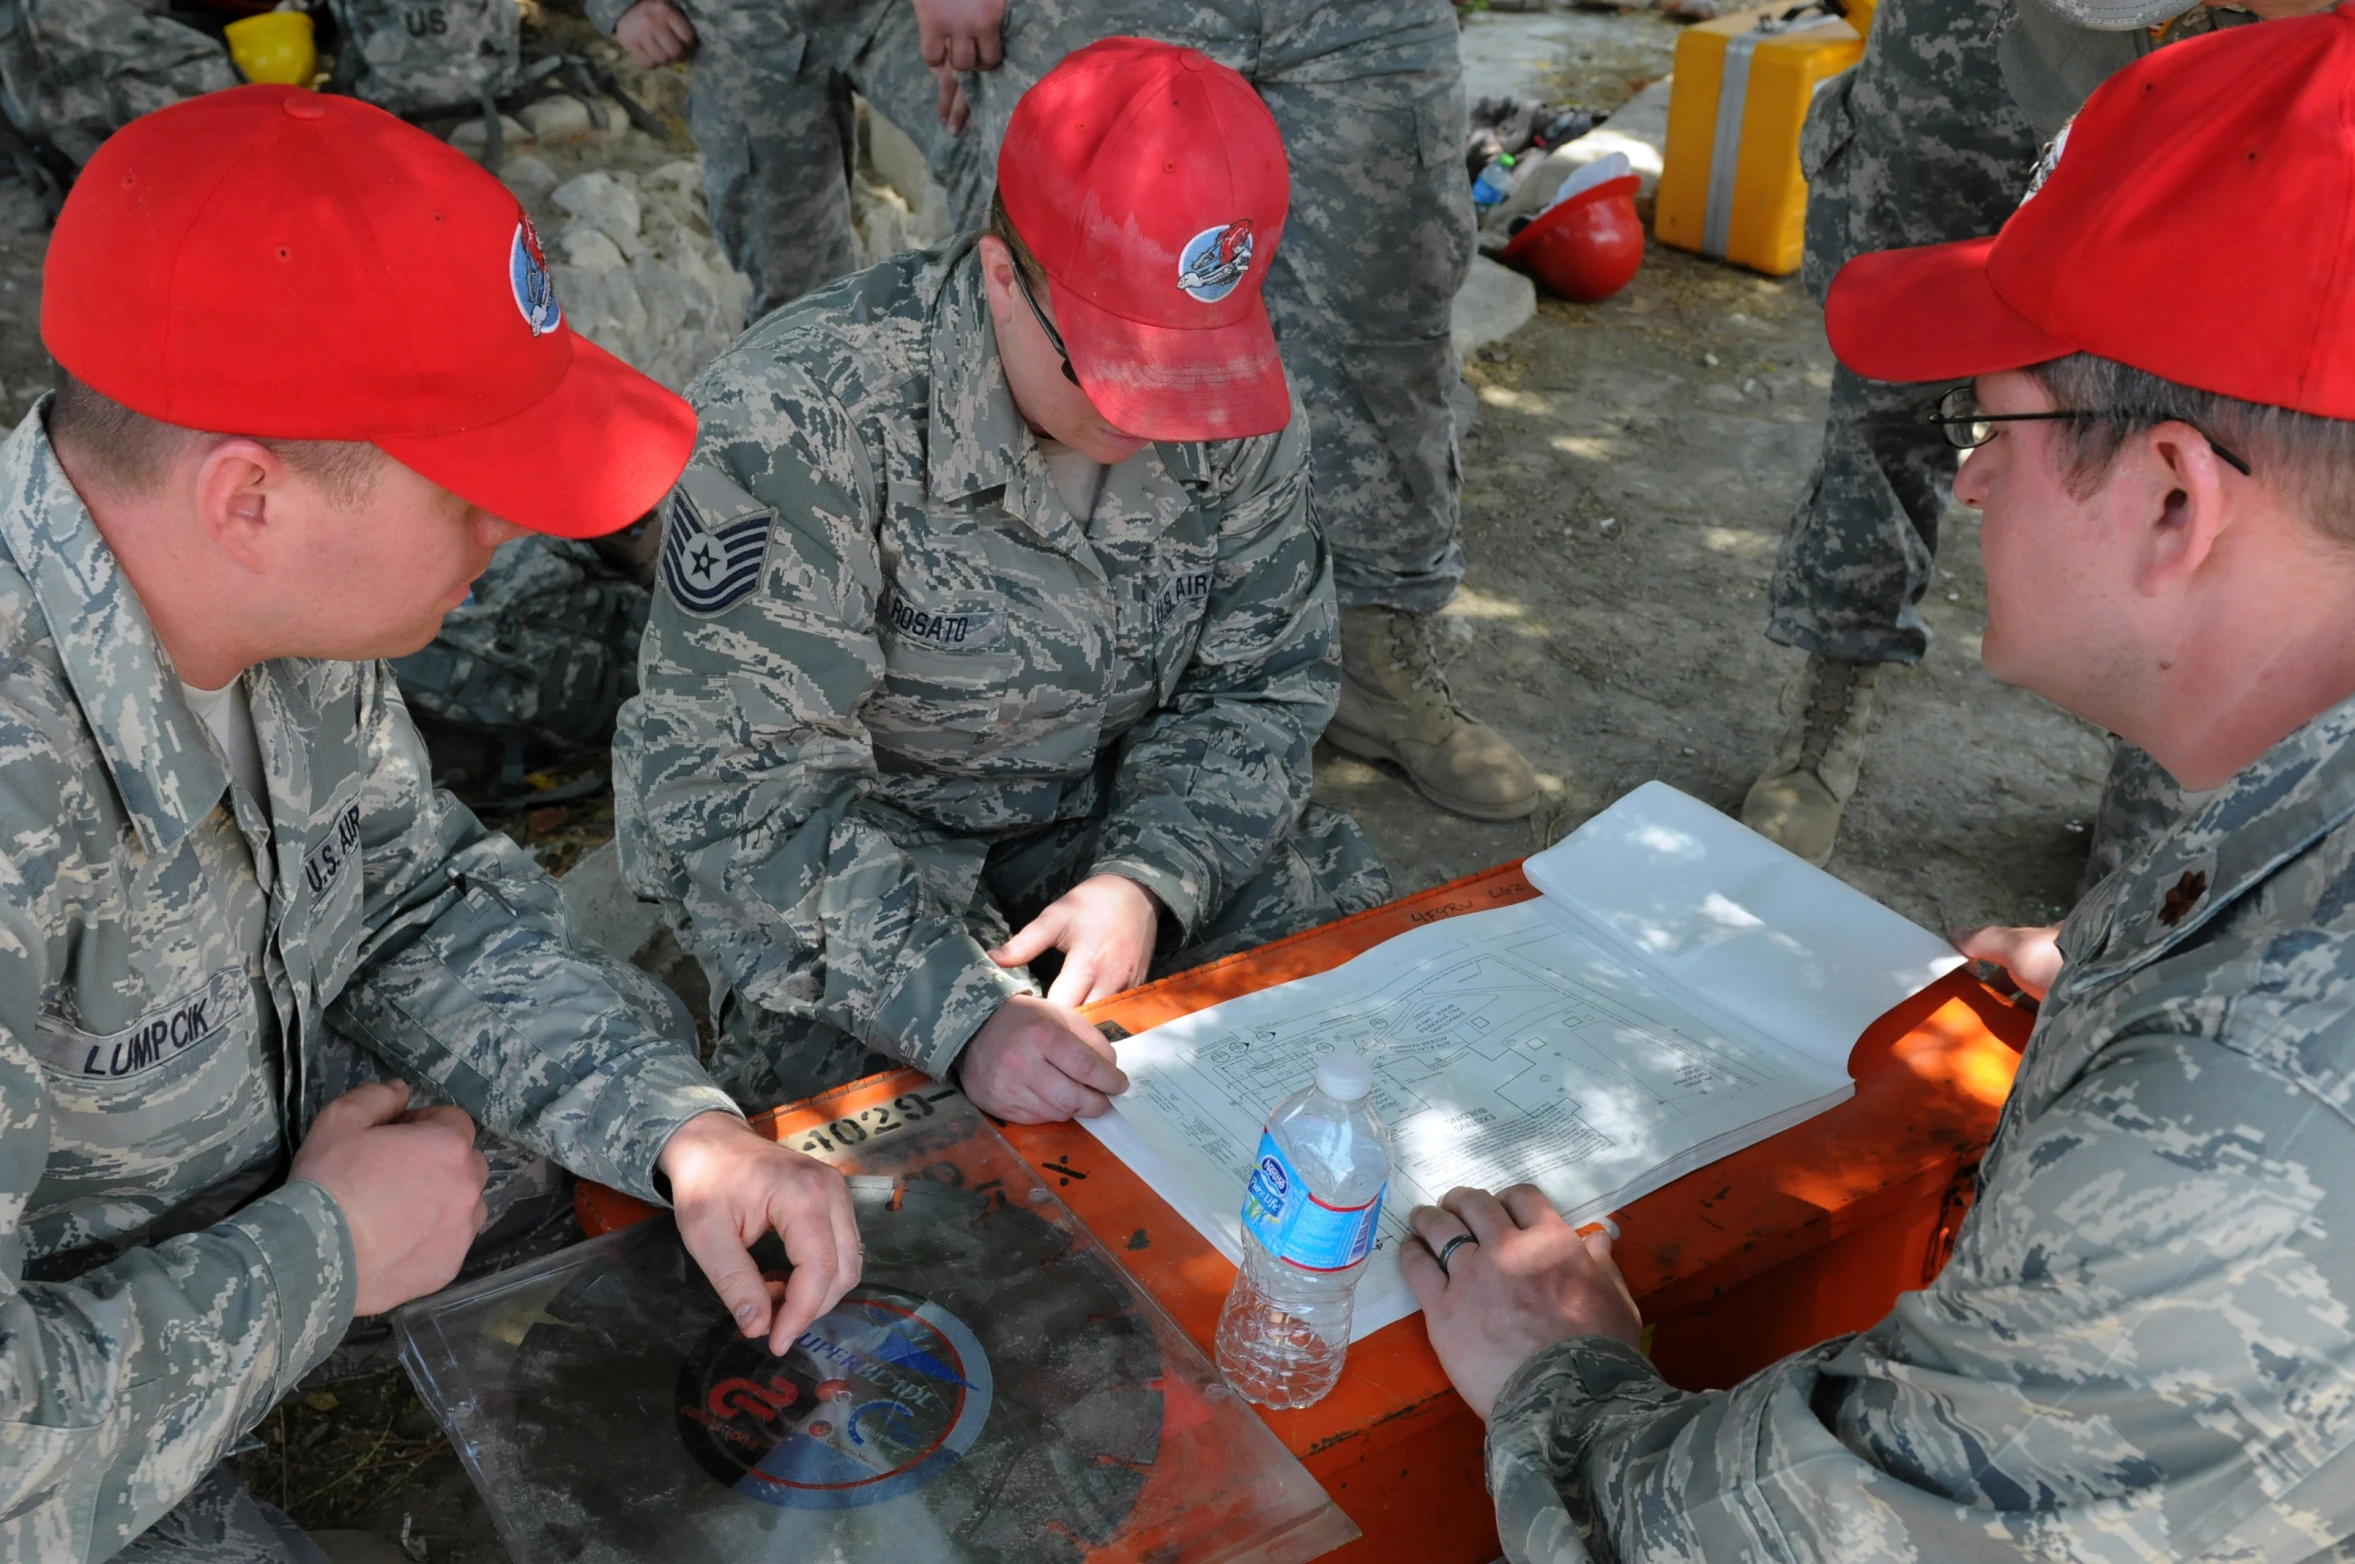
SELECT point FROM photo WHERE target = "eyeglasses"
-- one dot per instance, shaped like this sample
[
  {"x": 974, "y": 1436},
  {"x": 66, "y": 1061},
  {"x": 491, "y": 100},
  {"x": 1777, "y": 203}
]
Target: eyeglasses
[
  {"x": 1054, "y": 337},
  {"x": 1966, "y": 428}
]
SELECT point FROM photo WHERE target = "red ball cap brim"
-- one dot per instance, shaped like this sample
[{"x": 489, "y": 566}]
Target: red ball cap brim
[
  {"x": 1164, "y": 383},
  {"x": 592, "y": 456},
  {"x": 1930, "y": 314}
]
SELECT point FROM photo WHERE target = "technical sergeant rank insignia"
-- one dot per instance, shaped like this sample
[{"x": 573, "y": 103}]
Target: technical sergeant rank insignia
[{"x": 709, "y": 567}]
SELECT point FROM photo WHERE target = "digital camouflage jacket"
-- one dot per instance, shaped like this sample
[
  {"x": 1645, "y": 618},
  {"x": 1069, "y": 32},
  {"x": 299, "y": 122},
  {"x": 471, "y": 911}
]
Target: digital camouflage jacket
[
  {"x": 2144, "y": 1345},
  {"x": 173, "y": 955},
  {"x": 881, "y": 644}
]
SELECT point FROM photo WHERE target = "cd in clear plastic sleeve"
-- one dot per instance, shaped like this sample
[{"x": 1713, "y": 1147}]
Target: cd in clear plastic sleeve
[{"x": 997, "y": 1390}]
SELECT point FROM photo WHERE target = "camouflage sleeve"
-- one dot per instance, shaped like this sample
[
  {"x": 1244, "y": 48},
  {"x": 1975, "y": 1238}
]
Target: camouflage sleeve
[
  {"x": 1211, "y": 781},
  {"x": 745, "y": 782},
  {"x": 472, "y": 976},
  {"x": 2138, "y": 1350},
  {"x": 122, "y": 1387}
]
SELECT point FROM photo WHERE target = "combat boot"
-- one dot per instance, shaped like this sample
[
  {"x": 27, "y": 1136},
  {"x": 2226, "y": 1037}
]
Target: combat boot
[
  {"x": 1799, "y": 800},
  {"x": 1395, "y": 706}
]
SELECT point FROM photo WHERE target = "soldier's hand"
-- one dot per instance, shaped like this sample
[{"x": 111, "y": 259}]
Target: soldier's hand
[
  {"x": 1035, "y": 1062},
  {"x": 731, "y": 1185},
  {"x": 1105, "y": 926},
  {"x": 954, "y": 110},
  {"x": 961, "y": 34},
  {"x": 1526, "y": 1281},
  {"x": 2031, "y": 956},
  {"x": 654, "y": 32},
  {"x": 409, "y": 1184}
]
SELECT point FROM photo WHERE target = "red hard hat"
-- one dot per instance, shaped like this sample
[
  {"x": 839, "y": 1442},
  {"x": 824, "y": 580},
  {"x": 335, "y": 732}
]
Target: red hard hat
[{"x": 1588, "y": 247}]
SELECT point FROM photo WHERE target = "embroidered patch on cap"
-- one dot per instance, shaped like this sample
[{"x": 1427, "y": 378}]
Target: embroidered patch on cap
[
  {"x": 2046, "y": 161},
  {"x": 709, "y": 570},
  {"x": 527, "y": 274},
  {"x": 1214, "y": 261}
]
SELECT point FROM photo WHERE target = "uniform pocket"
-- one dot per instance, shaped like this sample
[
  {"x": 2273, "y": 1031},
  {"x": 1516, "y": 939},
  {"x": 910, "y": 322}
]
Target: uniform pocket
[
  {"x": 185, "y": 1074},
  {"x": 1829, "y": 126},
  {"x": 941, "y": 702}
]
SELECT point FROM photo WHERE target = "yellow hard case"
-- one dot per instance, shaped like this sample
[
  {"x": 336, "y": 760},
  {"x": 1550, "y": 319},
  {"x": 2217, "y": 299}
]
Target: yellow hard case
[{"x": 1730, "y": 186}]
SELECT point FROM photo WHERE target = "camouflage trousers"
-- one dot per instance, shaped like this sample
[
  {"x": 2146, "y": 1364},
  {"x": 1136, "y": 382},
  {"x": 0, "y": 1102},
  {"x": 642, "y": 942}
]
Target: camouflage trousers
[
  {"x": 1370, "y": 99},
  {"x": 73, "y": 72},
  {"x": 1919, "y": 144},
  {"x": 219, "y": 1522},
  {"x": 1325, "y": 869},
  {"x": 771, "y": 112}
]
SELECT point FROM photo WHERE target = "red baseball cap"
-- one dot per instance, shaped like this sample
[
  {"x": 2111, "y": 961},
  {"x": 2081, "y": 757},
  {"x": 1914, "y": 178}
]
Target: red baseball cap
[
  {"x": 2197, "y": 223},
  {"x": 1150, "y": 185},
  {"x": 298, "y": 266}
]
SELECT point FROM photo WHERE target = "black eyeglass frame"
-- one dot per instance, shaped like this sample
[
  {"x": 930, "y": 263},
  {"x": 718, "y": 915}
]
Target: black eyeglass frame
[
  {"x": 1054, "y": 337},
  {"x": 1955, "y": 426}
]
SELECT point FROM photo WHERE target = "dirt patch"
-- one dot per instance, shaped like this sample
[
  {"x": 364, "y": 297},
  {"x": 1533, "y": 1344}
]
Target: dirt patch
[{"x": 1626, "y": 487}]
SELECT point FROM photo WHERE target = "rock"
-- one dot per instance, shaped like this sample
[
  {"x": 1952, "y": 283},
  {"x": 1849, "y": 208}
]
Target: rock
[
  {"x": 590, "y": 247},
  {"x": 608, "y": 915},
  {"x": 604, "y": 201},
  {"x": 560, "y": 118},
  {"x": 1493, "y": 303},
  {"x": 637, "y": 269},
  {"x": 603, "y": 304},
  {"x": 527, "y": 175},
  {"x": 897, "y": 162},
  {"x": 881, "y": 220},
  {"x": 684, "y": 176},
  {"x": 470, "y": 137}
]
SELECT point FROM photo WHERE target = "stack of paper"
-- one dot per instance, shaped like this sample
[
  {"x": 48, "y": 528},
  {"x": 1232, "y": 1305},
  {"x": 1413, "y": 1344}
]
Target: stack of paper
[{"x": 1682, "y": 989}]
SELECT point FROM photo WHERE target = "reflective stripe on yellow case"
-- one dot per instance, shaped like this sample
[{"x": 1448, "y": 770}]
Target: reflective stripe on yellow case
[{"x": 1730, "y": 185}]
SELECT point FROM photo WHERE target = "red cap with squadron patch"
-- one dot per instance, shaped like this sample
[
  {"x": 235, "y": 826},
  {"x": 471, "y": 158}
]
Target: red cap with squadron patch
[
  {"x": 298, "y": 266},
  {"x": 1150, "y": 185},
  {"x": 2195, "y": 221}
]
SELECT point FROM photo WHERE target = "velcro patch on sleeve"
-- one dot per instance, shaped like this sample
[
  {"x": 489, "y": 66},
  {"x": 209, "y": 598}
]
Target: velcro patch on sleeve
[{"x": 712, "y": 547}]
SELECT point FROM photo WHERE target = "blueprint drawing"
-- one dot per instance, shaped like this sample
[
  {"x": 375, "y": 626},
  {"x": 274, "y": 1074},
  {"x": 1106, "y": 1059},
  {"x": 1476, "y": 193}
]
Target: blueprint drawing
[{"x": 1507, "y": 1047}]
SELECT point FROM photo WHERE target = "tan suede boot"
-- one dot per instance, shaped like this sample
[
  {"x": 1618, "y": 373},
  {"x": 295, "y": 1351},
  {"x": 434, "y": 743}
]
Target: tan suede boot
[
  {"x": 1800, "y": 798},
  {"x": 1395, "y": 706}
]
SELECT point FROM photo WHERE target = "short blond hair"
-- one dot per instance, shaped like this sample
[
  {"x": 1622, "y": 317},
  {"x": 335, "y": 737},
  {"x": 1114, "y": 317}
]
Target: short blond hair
[{"x": 131, "y": 453}]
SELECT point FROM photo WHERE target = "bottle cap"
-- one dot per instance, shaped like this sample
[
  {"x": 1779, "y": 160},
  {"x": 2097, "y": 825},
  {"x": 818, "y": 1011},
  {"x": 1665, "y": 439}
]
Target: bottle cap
[{"x": 1345, "y": 1074}]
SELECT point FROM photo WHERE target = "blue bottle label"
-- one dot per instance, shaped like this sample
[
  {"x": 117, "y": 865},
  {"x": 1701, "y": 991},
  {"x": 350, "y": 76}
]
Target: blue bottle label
[{"x": 1295, "y": 1226}]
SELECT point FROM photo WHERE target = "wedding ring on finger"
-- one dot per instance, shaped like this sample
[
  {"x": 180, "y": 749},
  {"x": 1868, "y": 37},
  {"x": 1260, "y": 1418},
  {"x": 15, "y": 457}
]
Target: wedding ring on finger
[{"x": 1450, "y": 1247}]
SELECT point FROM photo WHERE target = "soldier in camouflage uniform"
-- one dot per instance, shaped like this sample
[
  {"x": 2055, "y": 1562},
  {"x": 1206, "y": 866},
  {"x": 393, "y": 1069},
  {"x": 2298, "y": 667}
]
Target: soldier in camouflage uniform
[
  {"x": 2142, "y": 1346},
  {"x": 1370, "y": 97},
  {"x": 229, "y": 894},
  {"x": 769, "y": 108},
  {"x": 946, "y": 671},
  {"x": 1931, "y": 138},
  {"x": 72, "y": 72}
]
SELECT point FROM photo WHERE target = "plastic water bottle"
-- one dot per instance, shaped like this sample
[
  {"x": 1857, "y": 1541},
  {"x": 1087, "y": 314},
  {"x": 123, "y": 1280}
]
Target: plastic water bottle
[
  {"x": 1309, "y": 1218},
  {"x": 1495, "y": 181}
]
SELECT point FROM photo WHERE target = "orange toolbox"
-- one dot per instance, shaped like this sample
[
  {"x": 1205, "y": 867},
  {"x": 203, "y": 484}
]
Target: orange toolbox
[{"x": 1803, "y": 1236}]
